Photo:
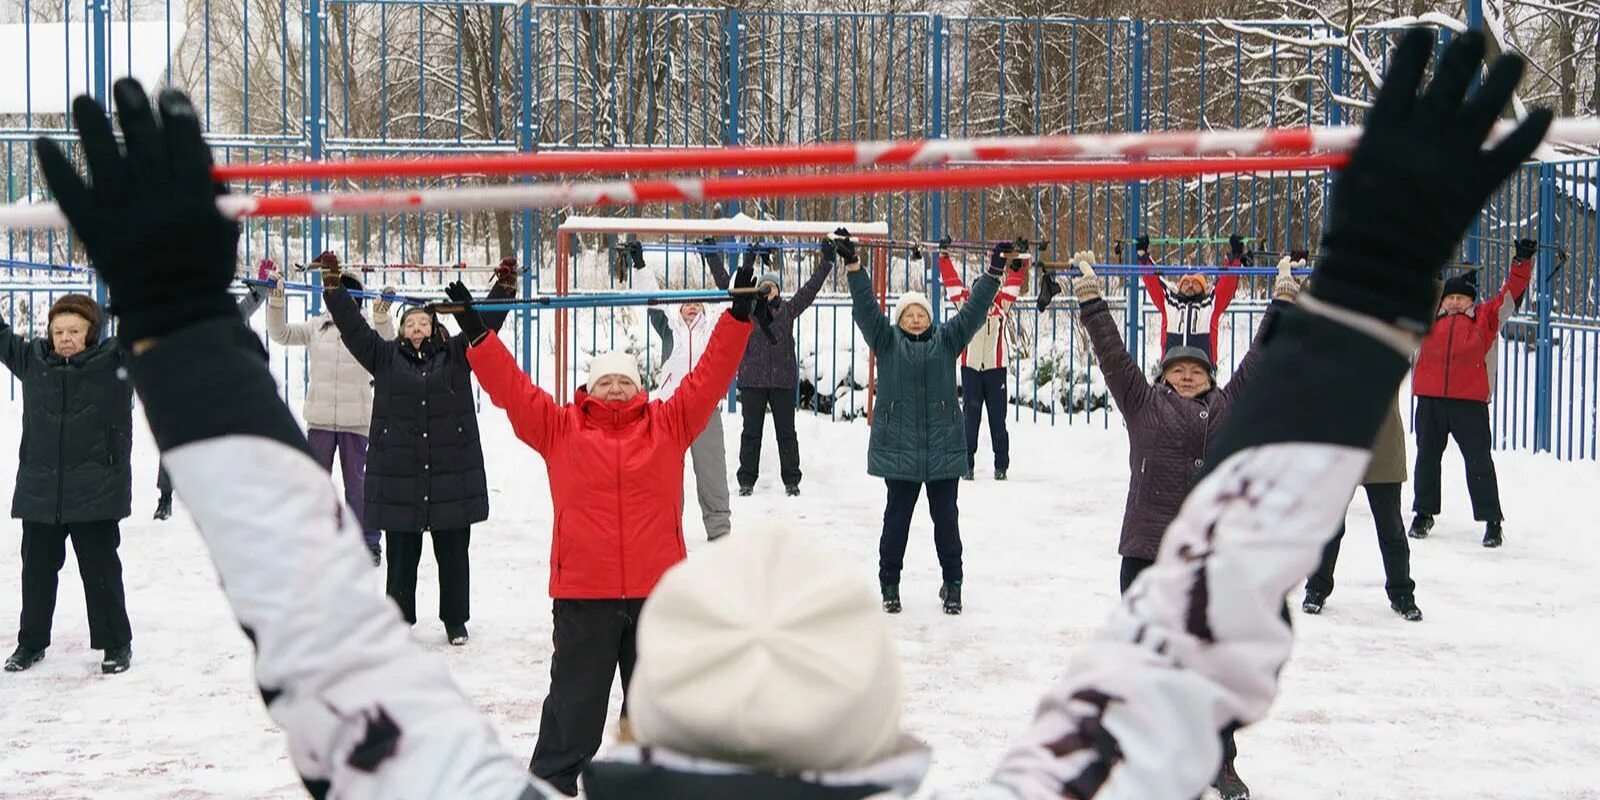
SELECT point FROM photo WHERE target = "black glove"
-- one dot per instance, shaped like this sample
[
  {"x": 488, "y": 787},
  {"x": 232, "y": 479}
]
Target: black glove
[
  {"x": 845, "y": 245},
  {"x": 635, "y": 254},
  {"x": 1141, "y": 245},
  {"x": 1299, "y": 255},
  {"x": 1526, "y": 248},
  {"x": 467, "y": 318},
  {"x": 1236, "y": 247},
  {"x": 148, "y": 219},
  {"x": 1419, "y": 178},
  {"x": 744, "y": 303},
  {"x": 830, "y": 251},
  {"x": 998, "y": 259}
]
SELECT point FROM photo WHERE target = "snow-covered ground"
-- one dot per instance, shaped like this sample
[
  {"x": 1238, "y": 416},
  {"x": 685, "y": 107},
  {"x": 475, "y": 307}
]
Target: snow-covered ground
[{"x": 1496, "y": 695}]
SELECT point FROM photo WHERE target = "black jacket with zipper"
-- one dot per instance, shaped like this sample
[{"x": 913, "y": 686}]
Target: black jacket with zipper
[{"x": 77, "y": 431}]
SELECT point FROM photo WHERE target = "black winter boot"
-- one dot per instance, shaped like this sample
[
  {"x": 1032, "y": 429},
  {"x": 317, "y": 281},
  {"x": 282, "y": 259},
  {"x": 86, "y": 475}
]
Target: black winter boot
[
  {"x": 457, "y": 634},
  {"x": 746, "y": 491},
  {"x": 792, "y": 490},
  {"x": 1406, "y": 607},
  {"x": 1421, "y": 525},
  {"x": 164, "y": 507},
  {"x": 23, "y": 658},
  {"x": 1491, "y": 535},
  {"x": 950, "y": 593},
  {"x": 1229, "y": 785},
  {"x": 999, "y": 474},
  {"x": 968, "y": 475},
  {"x": 117, "y": 659},
  {"x": 1313, "y": 603},
  {"x": 891, "y": 597}
]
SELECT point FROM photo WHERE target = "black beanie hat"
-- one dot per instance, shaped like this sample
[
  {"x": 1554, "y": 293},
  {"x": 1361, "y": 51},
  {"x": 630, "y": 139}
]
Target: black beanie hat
[{"x": 1461, "y": 284}]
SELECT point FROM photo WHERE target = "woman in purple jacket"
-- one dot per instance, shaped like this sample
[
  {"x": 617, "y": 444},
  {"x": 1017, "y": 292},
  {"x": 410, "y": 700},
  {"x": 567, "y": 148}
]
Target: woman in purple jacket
[{"x": 1171, "y": 423}]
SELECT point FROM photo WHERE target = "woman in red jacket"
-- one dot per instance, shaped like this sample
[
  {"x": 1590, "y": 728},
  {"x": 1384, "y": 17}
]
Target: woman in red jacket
[
  {"x": 615, "y": 460},
  {"x": 1452, "y": 389}
]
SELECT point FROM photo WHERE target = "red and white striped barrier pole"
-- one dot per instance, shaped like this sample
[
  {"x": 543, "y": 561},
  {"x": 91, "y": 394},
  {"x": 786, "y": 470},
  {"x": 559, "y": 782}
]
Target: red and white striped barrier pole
[
  {"x": 669, "y": 190},
  {"x": 925, "y": 152}
]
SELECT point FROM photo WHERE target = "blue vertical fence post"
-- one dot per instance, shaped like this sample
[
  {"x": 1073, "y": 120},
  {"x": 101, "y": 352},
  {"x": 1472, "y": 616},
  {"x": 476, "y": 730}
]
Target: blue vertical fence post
[
  {"x": 526, "y": 143},
  {"x": 733, "y": 41},
  {"x": 313, "y": 126},
  {"x": 936, "y": 99},
  {"x": 1133, "y": 199},
  {"x": 1474, "y": 254},
  {"x": 1544, "y": 362},
  {"x": 99, "y": 60}
]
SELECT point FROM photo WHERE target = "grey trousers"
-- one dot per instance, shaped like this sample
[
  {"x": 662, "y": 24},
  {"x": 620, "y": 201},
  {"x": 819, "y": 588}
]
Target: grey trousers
[{"x": 710, "y": 457}]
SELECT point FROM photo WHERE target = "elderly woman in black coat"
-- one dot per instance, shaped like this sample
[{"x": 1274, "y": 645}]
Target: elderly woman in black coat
[
  {"x": 425, "y": 469},
  {"x": 73, "y": 479}
]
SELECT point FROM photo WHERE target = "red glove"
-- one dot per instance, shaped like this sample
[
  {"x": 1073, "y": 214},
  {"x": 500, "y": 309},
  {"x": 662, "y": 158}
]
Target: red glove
[{"x": 265, "y": 268}]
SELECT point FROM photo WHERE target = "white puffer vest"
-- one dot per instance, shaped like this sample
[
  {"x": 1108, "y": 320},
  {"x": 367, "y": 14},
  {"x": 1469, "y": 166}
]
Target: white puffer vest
[{"x": 339, "y": 394}]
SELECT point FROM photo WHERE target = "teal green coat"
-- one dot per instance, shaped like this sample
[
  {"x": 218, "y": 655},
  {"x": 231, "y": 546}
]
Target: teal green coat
[{"x": 917, "y": 432}]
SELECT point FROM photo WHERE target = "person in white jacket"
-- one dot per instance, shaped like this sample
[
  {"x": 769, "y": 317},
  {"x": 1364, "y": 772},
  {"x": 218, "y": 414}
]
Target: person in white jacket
[
  {"x": 1195, "y": 647},
  {"x": 684, "y": 330},
  {"x": 338, "y": 408}
]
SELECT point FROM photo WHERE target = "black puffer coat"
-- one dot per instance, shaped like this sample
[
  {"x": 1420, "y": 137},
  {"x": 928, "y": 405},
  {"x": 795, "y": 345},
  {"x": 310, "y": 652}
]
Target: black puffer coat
[
  {"x": 77, "y": 431},
  {"x": 424, "y": 456},
  {"x": 1168, "y": 435}
]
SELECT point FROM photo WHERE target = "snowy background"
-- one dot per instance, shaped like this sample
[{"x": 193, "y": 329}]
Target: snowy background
[{"x": 1495, "y": 695}]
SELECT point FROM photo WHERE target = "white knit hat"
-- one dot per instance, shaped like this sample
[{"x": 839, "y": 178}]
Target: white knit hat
[
  {"x": 908, "y": 300},
  {"x": 768, "y": 650},
  {"x": 615, "y": 362}
]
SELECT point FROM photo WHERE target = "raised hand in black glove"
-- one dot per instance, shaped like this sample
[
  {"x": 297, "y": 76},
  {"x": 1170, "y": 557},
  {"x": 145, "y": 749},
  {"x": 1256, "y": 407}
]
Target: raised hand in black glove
[
  {"x": 1141, "y": 245},
  {"x": 1526, "y": 248},
  {"x": 635, "y": 254},
  {"x": 467, "y": 318},
  {"x": 744, "y": 303},
  {"x": 1418, "y": 178},
  {"x": 999, "y": 256},
  {"x": 148, "y": 218},
  {"x": 845, "y": 246},
  {"x": 1236, "y": 247}
]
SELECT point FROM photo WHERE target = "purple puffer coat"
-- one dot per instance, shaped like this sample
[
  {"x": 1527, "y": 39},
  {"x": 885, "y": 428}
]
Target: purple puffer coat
[{"x": 1167, "y": 434}]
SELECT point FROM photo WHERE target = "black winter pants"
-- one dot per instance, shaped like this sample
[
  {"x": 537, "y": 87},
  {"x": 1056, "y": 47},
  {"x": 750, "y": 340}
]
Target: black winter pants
[
  {"x": 455, "y": 579},
  {"x": 44, "y": 550},
  {"x": 1131, "y": 567},
  {"x": 1439, "y": 419},
  {"x": 980, "y": 391},
  {"x": 897, "y": 513},
  {"x": 1384, "y": 500},
  {"x": 593, "y": 640},
  {"x": 753, "y": 404}
]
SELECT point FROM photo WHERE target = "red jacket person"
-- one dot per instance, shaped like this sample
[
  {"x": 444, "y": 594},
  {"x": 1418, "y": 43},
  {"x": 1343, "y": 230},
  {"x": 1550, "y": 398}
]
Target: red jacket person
[{"x": 615, "y": 459}]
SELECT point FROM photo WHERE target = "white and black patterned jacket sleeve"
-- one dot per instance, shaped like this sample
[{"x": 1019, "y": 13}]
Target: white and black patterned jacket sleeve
[
  {"x": 1197, "y": 644},
  {"x": 368, "y": 714}
]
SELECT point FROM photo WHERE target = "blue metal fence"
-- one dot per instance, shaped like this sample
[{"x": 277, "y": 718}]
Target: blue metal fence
[{"x": 283, "y": 80}]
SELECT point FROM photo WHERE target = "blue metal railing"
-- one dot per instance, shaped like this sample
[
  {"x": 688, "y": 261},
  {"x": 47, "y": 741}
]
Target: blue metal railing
[{"x": 315, "y": 78}]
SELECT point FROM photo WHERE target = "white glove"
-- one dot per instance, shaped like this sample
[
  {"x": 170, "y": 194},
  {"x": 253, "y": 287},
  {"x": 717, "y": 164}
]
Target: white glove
[
  {"x": 275, "y": 295},
  {"x": 1285, "y": 286},
  {"x": 1088, "y": 286}
]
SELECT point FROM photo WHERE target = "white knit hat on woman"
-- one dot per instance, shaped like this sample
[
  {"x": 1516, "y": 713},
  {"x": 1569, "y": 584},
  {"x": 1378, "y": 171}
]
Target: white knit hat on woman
[
  {"x": 909, "y": 299},
  {"x": 615, "y": 362},
  {"x": 768, "y": 650}
]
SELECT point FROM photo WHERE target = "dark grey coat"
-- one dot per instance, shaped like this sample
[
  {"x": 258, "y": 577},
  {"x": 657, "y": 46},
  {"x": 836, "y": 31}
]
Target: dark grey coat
[
  {"x": 77, "y": 431},
  {"x": 1167, "y": 434},
  {"x": 771, "y": 363}
]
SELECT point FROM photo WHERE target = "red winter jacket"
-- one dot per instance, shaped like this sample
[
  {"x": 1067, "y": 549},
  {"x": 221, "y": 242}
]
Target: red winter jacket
[
  {"x": 616, "y": 469},
  {"x": 1454, "y": 358}
]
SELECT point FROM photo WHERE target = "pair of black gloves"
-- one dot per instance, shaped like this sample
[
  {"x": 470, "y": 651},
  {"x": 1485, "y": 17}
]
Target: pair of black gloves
[{"x": 148, "y": 219}]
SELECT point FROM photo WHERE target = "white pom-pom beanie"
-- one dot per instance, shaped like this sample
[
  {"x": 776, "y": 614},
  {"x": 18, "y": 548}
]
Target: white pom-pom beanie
[
  {"x": 615, "y": 362},
  {"x": 767, "y": 650}
]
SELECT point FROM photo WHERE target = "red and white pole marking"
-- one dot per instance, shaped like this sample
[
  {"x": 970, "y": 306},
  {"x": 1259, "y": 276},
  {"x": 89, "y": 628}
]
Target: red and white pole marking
[
  {"x": 926, "y": 152},
  {"x": 671, "y": 190}
]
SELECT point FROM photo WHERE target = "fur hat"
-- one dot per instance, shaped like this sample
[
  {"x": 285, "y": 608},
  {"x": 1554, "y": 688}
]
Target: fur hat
[
  {"x": 1460, "y": 284},
  {"x": 615, "y": 362},
  {"x": 768, "y": 650},
  {"x": 84, "y": 306},
  {"x": 909, "y": 299}
]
